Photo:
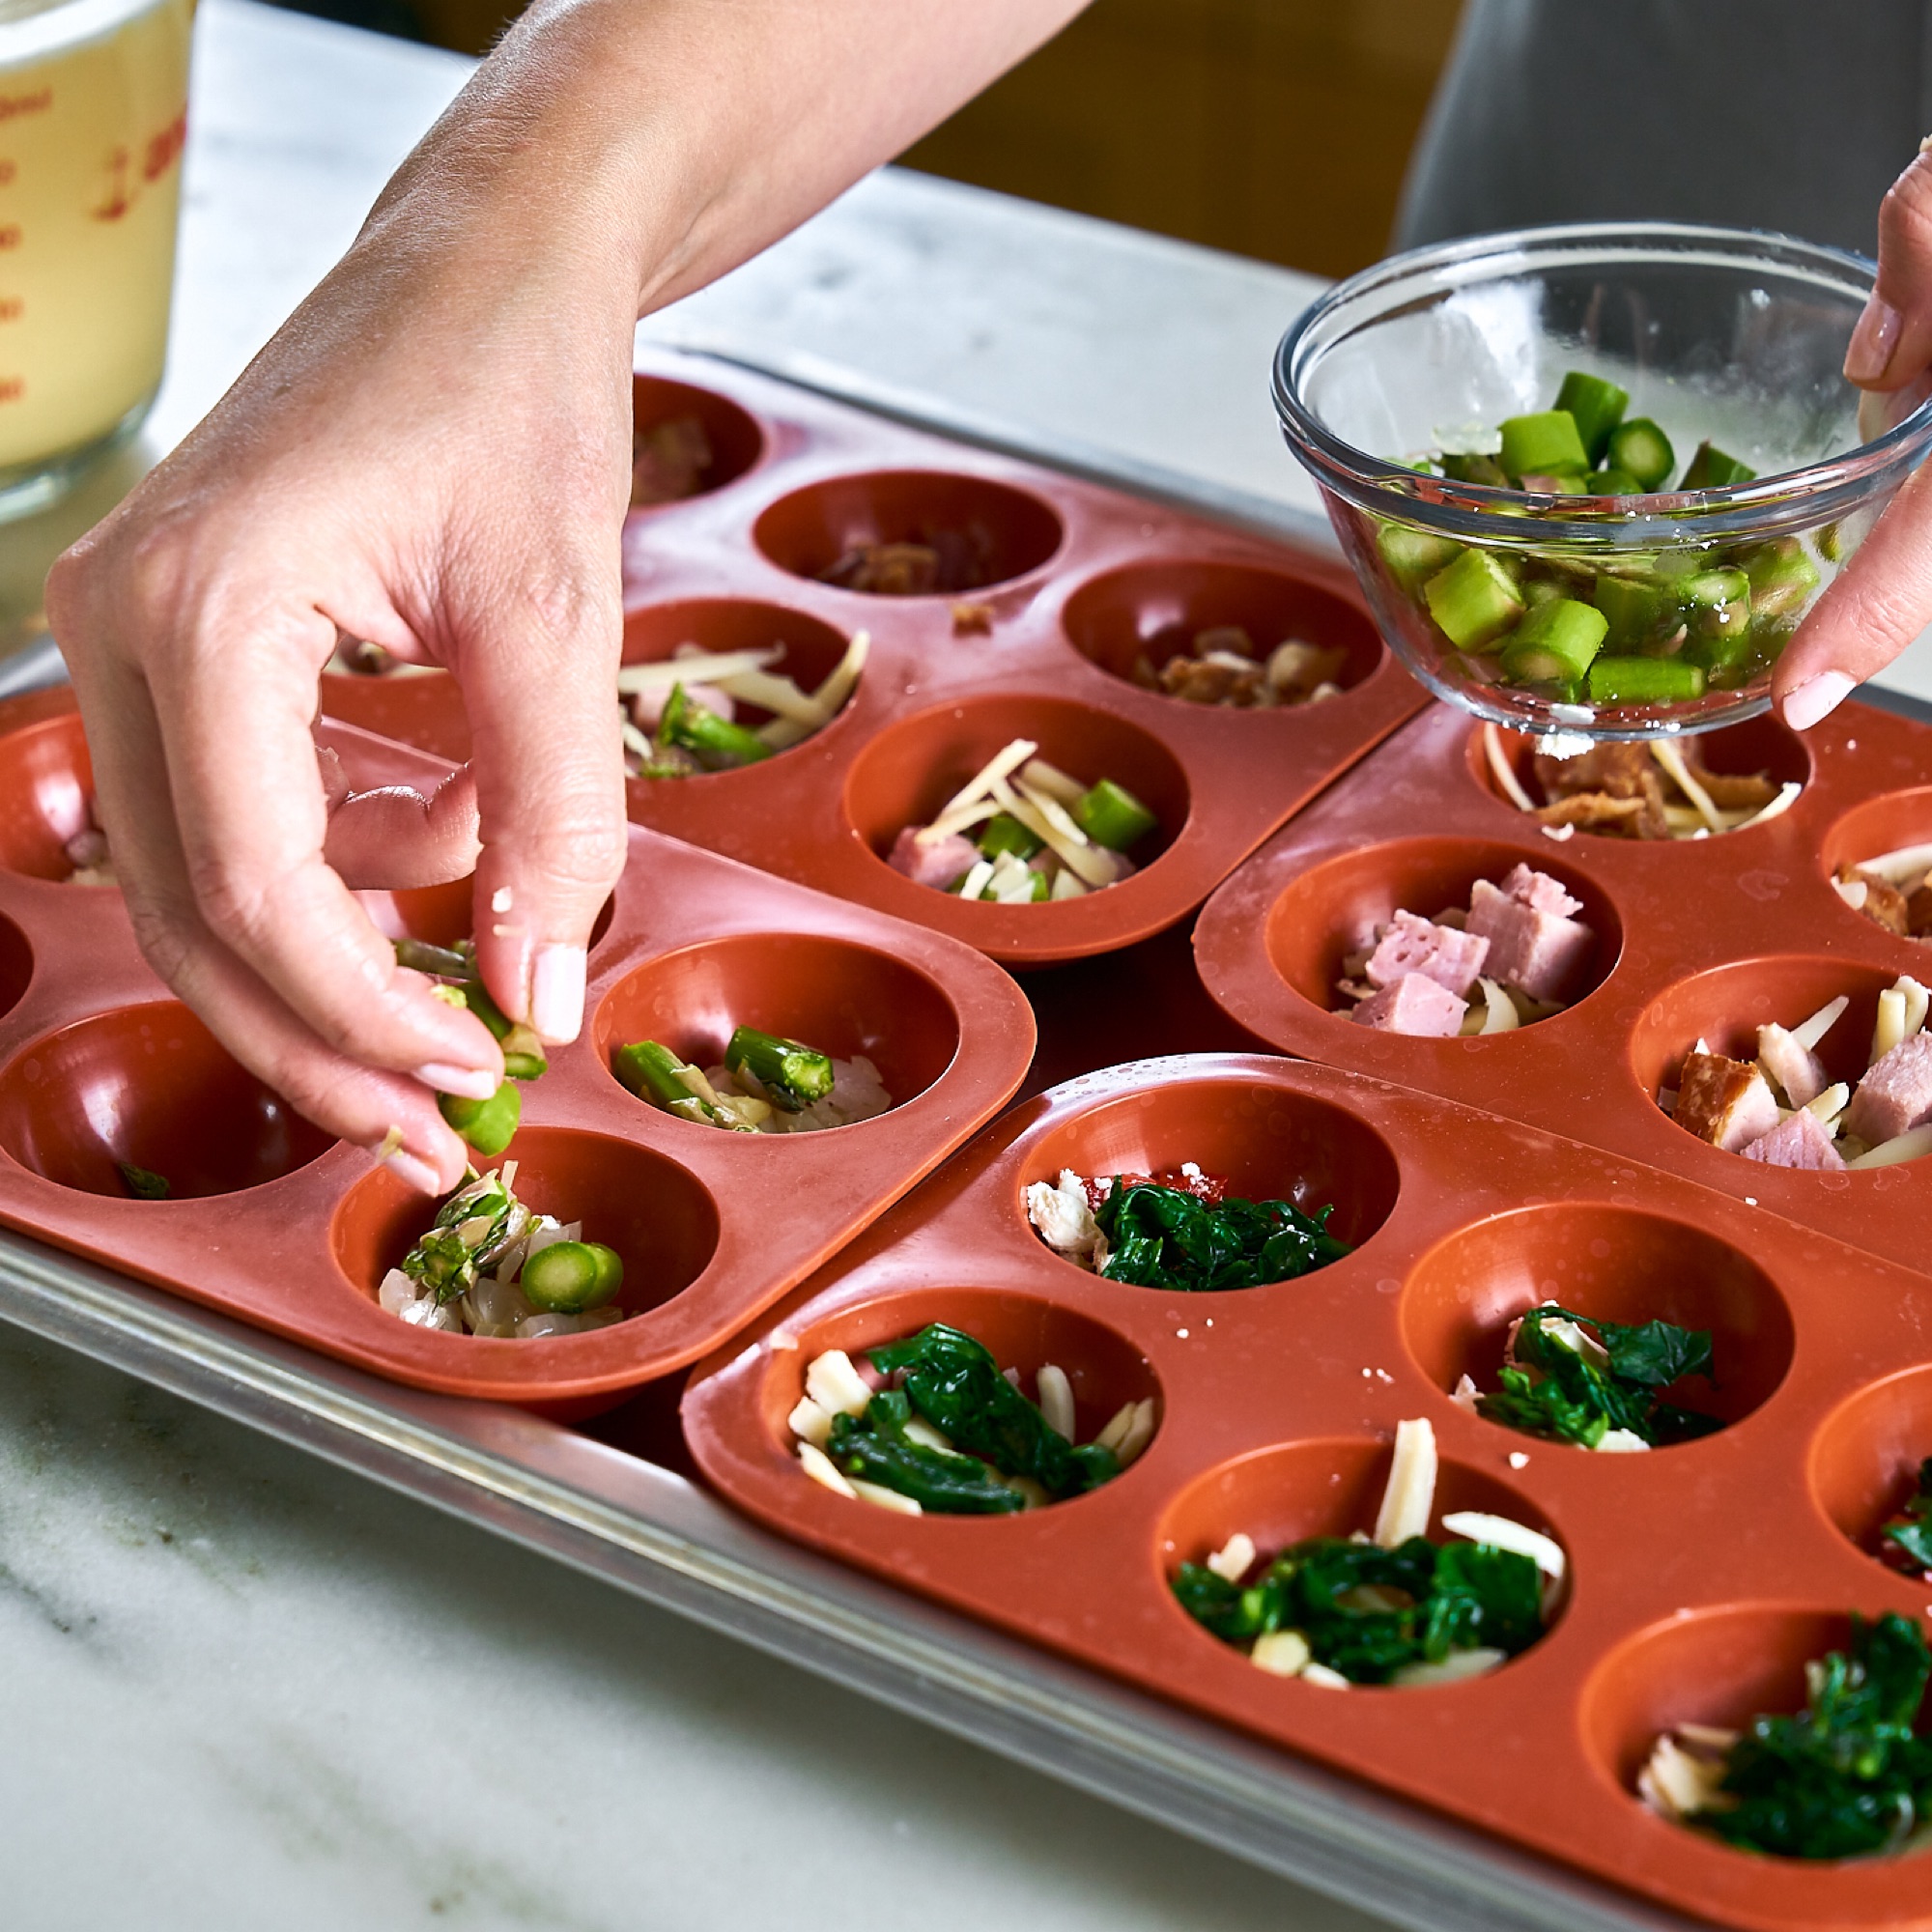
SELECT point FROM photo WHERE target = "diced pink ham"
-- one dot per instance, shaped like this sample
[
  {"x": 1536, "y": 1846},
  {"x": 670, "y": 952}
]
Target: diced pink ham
[
  {"x": 1536, "y": 951},
  {"x": 1439, "y": 953},
  {"x": 1540, "y": 892},
  {"x": 1414, "y": 1004},
  {"x": 938, "y": 864},
  {"x": 1895, "y": 1094},
  {"x": 1792, "y": 1065},
  {"x": 1797, "y": 1141}
]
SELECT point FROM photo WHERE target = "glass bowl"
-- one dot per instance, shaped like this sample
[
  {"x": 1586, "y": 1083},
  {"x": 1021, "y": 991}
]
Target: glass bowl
[{"x": 1718, "y": 334}]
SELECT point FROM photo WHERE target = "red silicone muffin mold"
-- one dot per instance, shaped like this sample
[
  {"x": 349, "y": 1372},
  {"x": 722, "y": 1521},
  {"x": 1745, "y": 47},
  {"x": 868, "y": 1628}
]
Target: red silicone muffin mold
[
  {"x": 1705, "y": 938},
  {"x": 1700, "y": 1577},
  {"x": 1078, "y": 581},
  {"x": 271, "y": 1221}
]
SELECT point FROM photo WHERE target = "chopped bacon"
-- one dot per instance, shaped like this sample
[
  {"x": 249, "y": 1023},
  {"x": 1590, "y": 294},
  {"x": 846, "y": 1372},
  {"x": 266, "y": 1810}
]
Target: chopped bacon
[
  {"x": 1883, "y": 903},
  {"x": 1728, "y": 1102},
  {"x": 669, "y": 461}
]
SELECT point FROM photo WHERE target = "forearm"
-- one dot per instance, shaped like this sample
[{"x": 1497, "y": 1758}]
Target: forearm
[{"x": 665, "y": 141}]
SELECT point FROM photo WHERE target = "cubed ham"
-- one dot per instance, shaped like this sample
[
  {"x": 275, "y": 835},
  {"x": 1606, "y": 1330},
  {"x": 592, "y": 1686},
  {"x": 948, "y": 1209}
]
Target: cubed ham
[
  {"x": 1540, "y": 892},
  {"x": 1895, "y": 1094},
  {"x": 1535, "y": 951},
  {"x": 1797, "y": 1141},
  {"x": 939, "y": 865},
  {"x": 1414, "y": 1004},
  {"x": 1724, "y": 1101},
  {"x": 1439, "y": 953},
  {"x": 1792, "y": 1065}
]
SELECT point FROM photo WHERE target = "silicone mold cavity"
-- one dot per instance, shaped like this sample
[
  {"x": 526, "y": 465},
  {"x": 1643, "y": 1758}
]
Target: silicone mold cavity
[
  {"x": 1153, "y": 610},
  {"x": 1865, "y": 1456},
  {"x": 737, "y": 440},
  {"x": 1613, "y": 1263},
  {"x": 807, "y": 531},
  {"x": 47, "y": 795},
  {"x": 840, "y": 998},
  {"x": 148, "y": 1085}
]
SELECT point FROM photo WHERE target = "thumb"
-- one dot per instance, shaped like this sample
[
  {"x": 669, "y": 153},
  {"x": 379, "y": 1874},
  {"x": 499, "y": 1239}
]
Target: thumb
[
  {"x": 1893, "y": 342},
  {"x": 539, "y": 682}
]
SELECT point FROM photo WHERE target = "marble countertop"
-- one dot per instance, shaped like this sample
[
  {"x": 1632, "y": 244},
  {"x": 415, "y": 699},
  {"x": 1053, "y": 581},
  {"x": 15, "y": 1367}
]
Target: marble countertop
[{"x": 244, "y": 1689}]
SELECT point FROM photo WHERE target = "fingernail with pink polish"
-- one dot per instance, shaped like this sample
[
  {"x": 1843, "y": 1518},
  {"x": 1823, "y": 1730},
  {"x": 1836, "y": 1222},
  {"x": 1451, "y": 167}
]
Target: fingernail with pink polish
[
  {"x": 556, "y": 992},
  {"x": 467, "y": 1082},
  {"x": 407, "y": 1169},
  {"x": 1815, "y": 698},
  {"x": 1873, "y": 342}
]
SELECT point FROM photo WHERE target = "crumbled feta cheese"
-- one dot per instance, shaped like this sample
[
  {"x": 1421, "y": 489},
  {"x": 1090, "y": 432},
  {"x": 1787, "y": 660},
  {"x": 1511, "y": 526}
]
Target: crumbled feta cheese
[{"x": 1061, "y": 1214}]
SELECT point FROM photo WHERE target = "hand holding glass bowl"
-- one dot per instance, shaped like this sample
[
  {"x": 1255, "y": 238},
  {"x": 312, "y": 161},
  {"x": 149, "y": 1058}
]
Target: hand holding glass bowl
[{"x": 1722, "y": 337}]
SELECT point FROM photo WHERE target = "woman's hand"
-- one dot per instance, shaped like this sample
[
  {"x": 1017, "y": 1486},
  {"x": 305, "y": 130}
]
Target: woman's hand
[{"x": 1883, "y": 598}]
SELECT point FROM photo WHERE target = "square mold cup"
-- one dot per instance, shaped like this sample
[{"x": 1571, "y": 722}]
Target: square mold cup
[
  {"x": 1695, "y": 939},
  {"x": 1048, "y": 593},
  {"x": 1699, "y": 1577},
  {"x": 1724, "y": 334},
  {"x": 271, "y": 1221}
]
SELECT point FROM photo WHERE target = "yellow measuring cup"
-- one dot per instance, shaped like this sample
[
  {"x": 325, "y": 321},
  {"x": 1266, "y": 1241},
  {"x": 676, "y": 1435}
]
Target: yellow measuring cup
[{"x": 93, "y": 118}]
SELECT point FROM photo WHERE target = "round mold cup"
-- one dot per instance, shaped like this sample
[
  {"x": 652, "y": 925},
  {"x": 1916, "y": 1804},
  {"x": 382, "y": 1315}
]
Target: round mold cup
[
  {"x": 1325, "y": 1487},
  {"x": 660, "y": 1219},
  {"x": 1145, "y": 613},
  {"x": 1892, "y": 822},
  {"x": 1726, "y": 1006},
  {"x": 735, "y": 440},
  {"x": 1722, "y": 1667},
  {"x": 1759, "y": 745},
  {"x": 906, "y": 774},
  {"x": 1331, "y": 911},
  {"x": 839, "y": 997},
  {"x": 812, "y": 648},
  {"x": 988, "y": 533},
  {"x": 149, "y": 1086},
  {"x": 1865, "y": 1458},
  {"x": 1610, "y": 1263},
  {"x": 1473, "y": 332},
  {"x": 1270, "y": 1143},
  {"x": 1022, "y": 1331},
  {"x": 46, "y": 796}
]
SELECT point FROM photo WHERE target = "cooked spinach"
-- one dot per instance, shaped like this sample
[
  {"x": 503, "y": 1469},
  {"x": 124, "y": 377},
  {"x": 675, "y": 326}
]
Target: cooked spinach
[
  {"x": 1846, "y": 1777},
  {"x": 1367, "y": 1611},
  {"x": 1910, "y": 1531},
  {"x": 1552, "y": 1390},
  {"x": 143, "y": 1184},
  {"x": 1163, "y": 1237},
  {"x": 954, "y": 1382}
]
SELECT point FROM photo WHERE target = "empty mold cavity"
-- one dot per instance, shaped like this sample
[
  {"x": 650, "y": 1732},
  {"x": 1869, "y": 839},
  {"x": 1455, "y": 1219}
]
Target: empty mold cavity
[
  {"x": 149, "y": 1087},
  {"x": 1725, "y": 1007},
  {"x": 1739, "y": 750},
  {"x": 1022, "y": 1333},
  {"x": 985, "y": 533},
  {"x": 1721, "y": 1667},
  {"x": 46, "y": 796},
  {"x": 1326, "y": 1486},
  {"x": 906, "y": 774},
  {"x": 1270, "y": 1142},
  {"x": 812, "y": 648},
  {"x": 1614, "y": 1263},
  {"x": 1331, "y": 910},
  {"x": 731, "y": 434},
  {"x": 442, "y": 915},
  {"x": 840, "y": 998},
  {"x": 660, "y": 1219},
  {"x": 1865, "y": 1456},
  {"x": 1152, "y": 611}
]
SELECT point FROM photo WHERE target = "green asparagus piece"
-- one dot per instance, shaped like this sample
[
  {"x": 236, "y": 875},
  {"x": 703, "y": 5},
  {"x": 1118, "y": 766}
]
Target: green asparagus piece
[
  {"x": 1554, "y": 643},
  {"x": 1555, "y": 485},
  {"x": 1595, "y": 405},
  {"x": 1544, "y": 445},
  {"x": 1474, "y": 601},
  {"x": 793, "y": 1075},
  {"x": 1005, "y": 833},
  {"x": 1472, "y": 468},
  {"x": 572, "y": 1277},
  {"x": 1613, "y": 483},
  {"x": 653, "y": 1072},
  {"x": 1413, "y": 554},
  {"x": 1717, "y": 602},
  {"x": 524, "y": 1056},
  {"x": 1712, "y": 470},
  {"x": 1111, "y": 815},
  {"x": 1644, "y": 680},
  {"x": 472, "y": 1230},
  {"x": 1830, "y": 542},
  {"x": 1782, "y": 578},
  {"x": 1633, "y": 612},
  {"x": 1642, "y": 450},
  {"x": 696, "y": 729},
  {"x": 143, "y": 1184},
  {"x": 488, "y": 1125},
  {"x": 440, "y": 962}
]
